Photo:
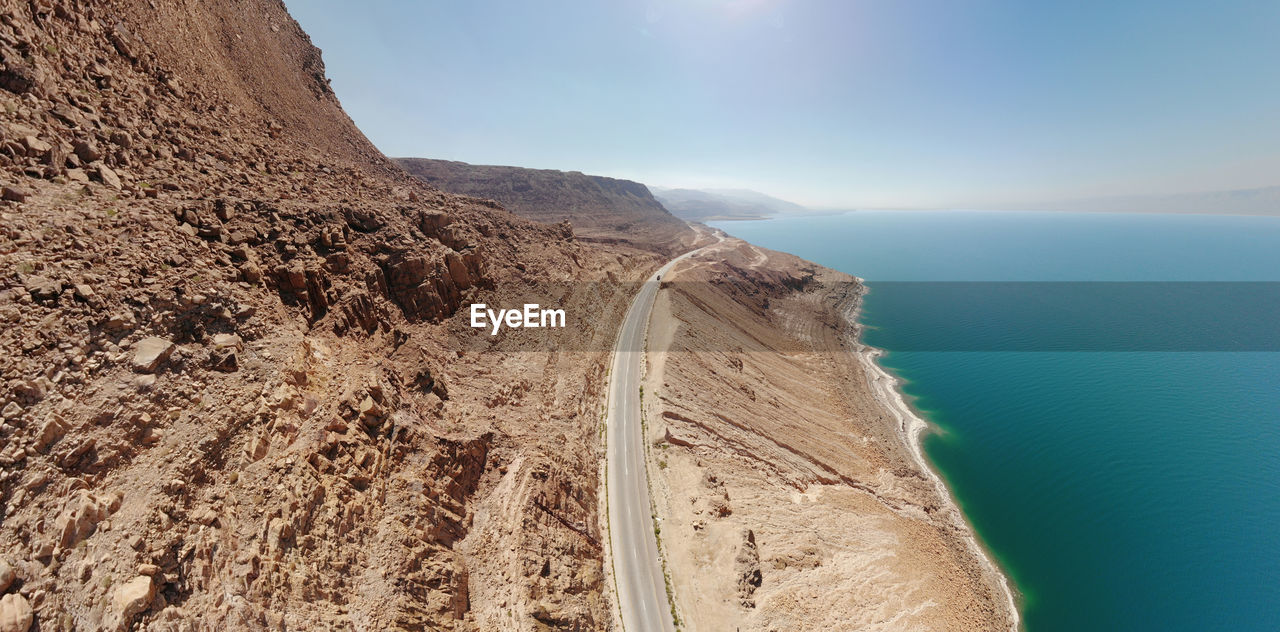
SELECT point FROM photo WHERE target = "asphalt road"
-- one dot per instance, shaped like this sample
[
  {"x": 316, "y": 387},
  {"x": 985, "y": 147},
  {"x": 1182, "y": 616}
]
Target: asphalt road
[{"x": 642, "y": 593}]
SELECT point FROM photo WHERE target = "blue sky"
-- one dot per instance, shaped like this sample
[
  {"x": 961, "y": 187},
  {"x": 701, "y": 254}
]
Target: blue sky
[{"x": 831, "y": 103}]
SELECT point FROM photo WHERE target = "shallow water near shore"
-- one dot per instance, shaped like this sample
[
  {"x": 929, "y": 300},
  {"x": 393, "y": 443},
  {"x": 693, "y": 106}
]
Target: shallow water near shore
[{"x": 1119, "y": 489}]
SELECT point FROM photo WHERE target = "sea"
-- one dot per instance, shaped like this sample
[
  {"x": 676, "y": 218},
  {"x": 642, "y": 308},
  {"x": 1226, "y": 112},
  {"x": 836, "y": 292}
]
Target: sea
[{"x": 1104, "y": 396}]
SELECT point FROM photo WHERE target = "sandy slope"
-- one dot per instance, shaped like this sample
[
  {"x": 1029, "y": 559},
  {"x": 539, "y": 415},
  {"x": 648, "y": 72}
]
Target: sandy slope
[{"x": 788, "y": 489}]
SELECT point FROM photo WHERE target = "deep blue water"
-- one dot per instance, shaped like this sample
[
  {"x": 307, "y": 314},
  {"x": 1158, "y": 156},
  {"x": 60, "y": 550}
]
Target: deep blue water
[{"x": 1123, "y": 489}]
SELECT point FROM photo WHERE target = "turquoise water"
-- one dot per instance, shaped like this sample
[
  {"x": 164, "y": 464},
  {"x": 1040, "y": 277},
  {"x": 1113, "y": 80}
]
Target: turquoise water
[{"x": 1120, "y": 489}]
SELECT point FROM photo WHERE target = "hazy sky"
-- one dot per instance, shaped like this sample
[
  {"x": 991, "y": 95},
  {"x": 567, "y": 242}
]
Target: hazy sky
[{"x": 833, "y": 103}]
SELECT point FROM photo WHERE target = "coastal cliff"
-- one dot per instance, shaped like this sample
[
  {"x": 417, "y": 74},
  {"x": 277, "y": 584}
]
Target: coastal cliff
[{"x": 788, "y": 486}]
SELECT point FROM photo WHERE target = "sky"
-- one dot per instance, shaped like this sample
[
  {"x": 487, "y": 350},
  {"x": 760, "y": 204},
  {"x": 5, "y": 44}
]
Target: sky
[{"x": 828, "y": 103}]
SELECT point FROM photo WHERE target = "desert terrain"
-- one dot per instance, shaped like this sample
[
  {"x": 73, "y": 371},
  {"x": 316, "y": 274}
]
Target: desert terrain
[
  {"x": 230, "y": 397},
  {"x": 239, "y": 391},
  {"x": 786, "y": 491}
]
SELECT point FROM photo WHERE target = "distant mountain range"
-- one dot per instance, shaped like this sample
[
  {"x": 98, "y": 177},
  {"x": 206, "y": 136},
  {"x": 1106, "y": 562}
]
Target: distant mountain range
[
  {"x": 1260, "y": 201},
  {"x": 702, "y": 205}
]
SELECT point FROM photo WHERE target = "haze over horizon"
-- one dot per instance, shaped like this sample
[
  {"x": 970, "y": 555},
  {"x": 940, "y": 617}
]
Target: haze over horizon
[{"x": 824, "y": 103}]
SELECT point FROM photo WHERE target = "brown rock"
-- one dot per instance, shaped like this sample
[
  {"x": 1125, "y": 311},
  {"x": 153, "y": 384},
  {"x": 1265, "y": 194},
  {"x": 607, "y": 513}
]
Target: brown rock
[
  {"x": 42, "y": 288},
  {"x": 15, "y": 614},
  {"x": 122, "y": 138},
  {"x": 225, "y": 360},
  {"x": 35, "y": 146},
  {"x": 251, "y": 272},
  {"x": 15, "y": 194},
  {"x": 747, "y": 567},
  {"x": 19, "y": 76},
  {"x": 120, "y": 321},
  {"x": 107, "y": 175},
  {"x": 67, "y": 114},
  {"x": 432, "y": 222},
  {"x": 150, "y": 353},
  {"x": 52, "y": 430},
  {"x": 369, "y": 408},
  {"x": 6, "y": 575},
  {"x": 228, "y": 341},
  {"x": 80, "y": 518},
  {"x": 87, "y": 151},
  {"x": 130, "y": 599},
  {"x": 674, "y": 439}
]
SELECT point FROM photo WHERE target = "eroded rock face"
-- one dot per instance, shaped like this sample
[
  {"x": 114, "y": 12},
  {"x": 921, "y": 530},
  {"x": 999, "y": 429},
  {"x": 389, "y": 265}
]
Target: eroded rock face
[
  {"x": 229, "y": 388},
  {"x": 430, "y": 287}
]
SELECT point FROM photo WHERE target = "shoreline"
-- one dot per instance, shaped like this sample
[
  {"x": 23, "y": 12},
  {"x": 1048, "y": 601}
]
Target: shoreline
[{"x": 885, "y": 388}]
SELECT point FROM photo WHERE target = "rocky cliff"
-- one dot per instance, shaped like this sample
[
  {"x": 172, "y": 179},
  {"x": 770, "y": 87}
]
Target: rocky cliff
[
  {"x": 598, "y": 208},
  {"x": 228, "y": 398}
]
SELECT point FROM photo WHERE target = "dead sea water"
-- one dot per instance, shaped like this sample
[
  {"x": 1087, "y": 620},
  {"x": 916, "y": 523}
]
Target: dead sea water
[{"x": 1105, "y": 391}]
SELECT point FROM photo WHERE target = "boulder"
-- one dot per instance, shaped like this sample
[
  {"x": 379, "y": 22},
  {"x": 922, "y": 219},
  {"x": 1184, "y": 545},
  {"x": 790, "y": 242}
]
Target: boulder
[
  {"x": 224, "y": 356},
  {"x": 150, "y": 353},
  {"x": 35, "y": 146},
  {"x": 19, "y": 76},
  {"x": 15, "y": 614},
  {"x": 225, "y": 360},
  {"x": 432, "y": 222},
  {"x": 52, "y": 430},
  {"x": 107, "y": 176},
  {"x": 15, "y": 194},
  {"x": 6, "y": 575},
  {"x": 120, "y": 321},
  {"x": 67, "y": 114},
  {"x": 42, "y": 288},
  {"x": 87, "y": 151},
  {"x": 131, "y": 598},
  {"x": 228, "y": 341}
]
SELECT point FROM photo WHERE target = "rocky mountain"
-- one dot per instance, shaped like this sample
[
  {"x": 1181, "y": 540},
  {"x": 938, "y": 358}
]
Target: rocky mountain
[
  {"x": 232, "y": 392},
  {"x": 598, "y": 208},
  {"x": 718, "y": 204}
]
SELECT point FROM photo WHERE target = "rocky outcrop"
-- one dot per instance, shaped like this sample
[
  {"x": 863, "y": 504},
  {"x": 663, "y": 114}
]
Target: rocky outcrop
[
  {"x": 746, "y": 566},
  {"x": 431, "y": 288}
]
